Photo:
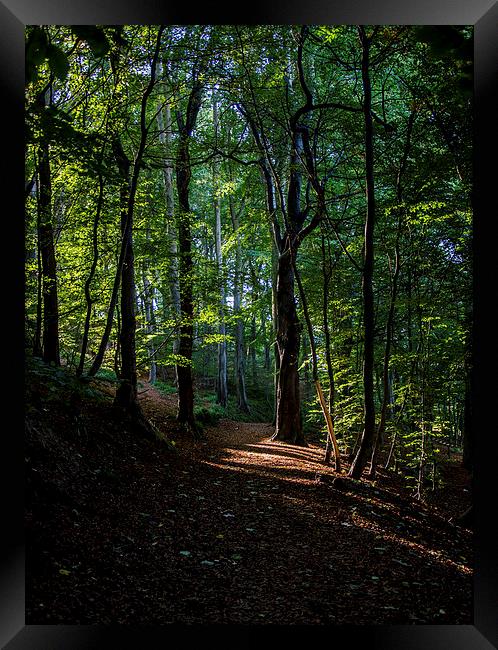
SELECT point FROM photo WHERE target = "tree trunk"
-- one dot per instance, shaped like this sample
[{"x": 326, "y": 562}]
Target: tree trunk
[
  {"x": 126, "y": 395},
  {"x": 467, "y": 434},
  {"x": 37, "y": 340},
  {"x": 222, "y": 379},
  {"x": 184, "y": 368},
  {"x": 288, "y": 425},
  {"x": 394, "y": 288},
  {"x": 128, "y": 317},
  {"x": 366, "y": 444},
  {"x": 274, "y": 260},
  {"x": 385, "y": 371},
  {"x": 327, "y": 271},
  {"x": 240, "y": 379},
  {"x": 50, "y": 334},
  {"x": 149, "y": 324},
  {"x": 88, "y": 283},
  {"x": 186, "y": 124},
  {"x": 99, "y": 357},
  {"x": 164, "y": 122},
  {"x": 316, "y": 380}
]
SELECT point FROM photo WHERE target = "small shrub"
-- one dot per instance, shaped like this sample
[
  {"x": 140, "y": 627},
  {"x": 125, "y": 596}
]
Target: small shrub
[
  {"x": 208, "y": 416},
  {"x": 164, "y": 388},
  {"x": 106, "y": 373}
]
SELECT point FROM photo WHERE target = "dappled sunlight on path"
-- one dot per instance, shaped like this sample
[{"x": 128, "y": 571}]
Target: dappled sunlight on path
[{"x": 259, "y": 519}]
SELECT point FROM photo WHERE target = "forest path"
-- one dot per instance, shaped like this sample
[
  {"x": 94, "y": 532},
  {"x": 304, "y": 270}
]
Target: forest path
[
  {"x": 241, "y": 446},
  {"x": 232, "y": 529},
  {"x": 267, "y": 541}
]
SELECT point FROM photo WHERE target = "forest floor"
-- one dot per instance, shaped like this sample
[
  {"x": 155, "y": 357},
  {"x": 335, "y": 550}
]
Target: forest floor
[{"x": 232, "y": 529}]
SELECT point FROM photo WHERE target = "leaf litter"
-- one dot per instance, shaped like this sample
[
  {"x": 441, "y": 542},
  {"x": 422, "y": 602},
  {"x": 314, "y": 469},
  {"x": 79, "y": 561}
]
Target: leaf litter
[{"x": 265, "y": 532}]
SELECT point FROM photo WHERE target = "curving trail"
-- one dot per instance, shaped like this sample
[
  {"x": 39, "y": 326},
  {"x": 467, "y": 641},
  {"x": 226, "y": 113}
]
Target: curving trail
[{"x": 234, "y": 529}]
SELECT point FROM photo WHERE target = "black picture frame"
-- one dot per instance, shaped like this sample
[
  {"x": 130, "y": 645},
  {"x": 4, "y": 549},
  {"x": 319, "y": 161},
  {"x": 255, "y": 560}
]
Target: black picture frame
[{"x": 483, "y": 14}]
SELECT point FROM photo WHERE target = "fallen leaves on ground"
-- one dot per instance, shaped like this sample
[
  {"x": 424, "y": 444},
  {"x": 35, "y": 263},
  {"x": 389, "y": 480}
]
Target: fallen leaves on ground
[{"x": 233, "y": 529}]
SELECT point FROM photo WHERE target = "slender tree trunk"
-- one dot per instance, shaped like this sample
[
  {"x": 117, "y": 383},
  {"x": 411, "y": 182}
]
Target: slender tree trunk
[
  {"x": 184, "y": 368},
  {"x": 394, "y": 288},
  {"x": 50, "y": 333},
  {"x": 254, "y": 367},
  {"x": 117, "y": 351},
  {"x": 240, "y": 379},
  {"x": 99, "y": 357},
  {"x": 164, "y": 122},
  {"x": 367, "y": 440},
  {"x": 126, "y": 395},
  {"x": 424, "y": 413},
  {"x": 37, "y": 341},
  {"x": 467, "y": 433},
  {"x": 321, "y": 397},
  {"x": 222, "y": 379},
  {"x": 385, "y": 371},
  {"x": 149, "y": 324},
  {"x": 328, "y": 355},
  {"x": 274, "y": 260},
  {"x": 88, "y": 283}
]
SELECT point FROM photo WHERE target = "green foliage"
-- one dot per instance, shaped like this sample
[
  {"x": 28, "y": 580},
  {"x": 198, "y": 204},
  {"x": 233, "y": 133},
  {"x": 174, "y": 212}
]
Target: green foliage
[
  {"x": 208, "y": 416},
  {"x": 423, "y": 209},
  {"x": 106, "y": 373},
  {"x": 39, "y": 48},
  {"x": 164, "y": 388}
]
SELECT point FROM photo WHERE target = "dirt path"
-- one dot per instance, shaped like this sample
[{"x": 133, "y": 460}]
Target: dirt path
[
  {"x": 284, "y": 546},
  {"x": 237, "y": 529}
]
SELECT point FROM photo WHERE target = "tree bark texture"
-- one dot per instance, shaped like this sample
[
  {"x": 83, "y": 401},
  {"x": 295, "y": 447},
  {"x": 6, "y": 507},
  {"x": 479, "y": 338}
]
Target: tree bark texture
[
  {"x": 367, "y": 439},
  {"x": 164, "y": 122},
  {"x": 222, "y": 379},
  {"x": 88, "y": 283},
  {"x": 50, "y": 335},
  {"x": 288, "y": 425},
  {"x": 240, "y": 369}
]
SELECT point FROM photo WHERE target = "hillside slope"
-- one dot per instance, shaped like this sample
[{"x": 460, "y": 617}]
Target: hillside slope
[{"x": 233, "y": 529}]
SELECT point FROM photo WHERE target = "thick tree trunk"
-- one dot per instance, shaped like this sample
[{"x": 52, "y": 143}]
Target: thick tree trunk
[
  {"x": 288, "y": 425},
  {"x": 366, "y": 444}
]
